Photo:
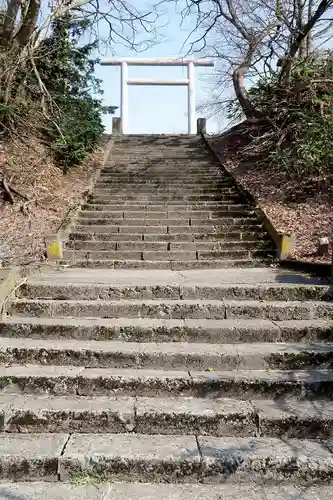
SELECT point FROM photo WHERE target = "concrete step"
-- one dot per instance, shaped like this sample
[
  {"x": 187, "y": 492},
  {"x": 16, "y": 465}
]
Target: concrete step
[
  {"x": 132, "y": 255},
  {"x": 164, "y": 245},
  {"x": 140, "y": 179},
  {"x": 141, "y": 172},
  {"x": 135, "y": 207},
  {"x": 181, "y": 189},
  {"x": 164, "y": 194},
  {"x": 157, "y": 183},
  {"x": 147, "y": 221},
  {"x": 94, "y": 489},
  {"x": 160, "y": 255},
  {"x": 167, "y": 416},
  {"x": 172, "y": 265},
  {"x": 165, "y": 356},
  {"x": 168, "y": 330},
  {"x": 245, "y": 384},
  {"x": 164, "y": 197},
  {"x": 88, "y": 288},
  {"x": 109, "y": 199},
  {"x": 181, "y": 214},
  {"x": 245, "y": 225},
  {"x": 223, "y": 238},
  {"x": 164, "y": 458},
  {"x": 175, "y": 309}
]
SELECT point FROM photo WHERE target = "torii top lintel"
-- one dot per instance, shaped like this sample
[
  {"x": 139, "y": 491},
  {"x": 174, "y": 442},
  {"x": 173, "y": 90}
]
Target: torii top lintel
[{"x": 157, "y": 62}]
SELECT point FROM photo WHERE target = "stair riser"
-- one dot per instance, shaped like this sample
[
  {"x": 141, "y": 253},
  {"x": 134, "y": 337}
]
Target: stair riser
[
  {"x": 169, "y": 229},
  {"x": 136, "y": 174},
  {"x": 137, "y": 418},
  {"x": 169, "y": 207},
  {"x": 165, "y": 198},
  {"x": 208, "y": 386},
  {"x": 149, "y": 185},
  {"x": 186, "y": 214},
  {"x": 152, "y": 358},
  {"x": 179, "y": 310},
  {"x": 184, "y": 333},
  {"x": 114, "y": 292},
  {"x": 167, "y": 201},
  {"x": 103, "y": 421},
  {"x": 156, "y": 255},
  {"x": 179, "y": 209},
  {"x": 164, "y": 246},
  {"x": 163, "y": 194},
  {"x": 222, "y": 238},
  {"x": 170, "y": 264},
  {"x": 88, "y": 221},
  {"x": 196, "y": 183}
]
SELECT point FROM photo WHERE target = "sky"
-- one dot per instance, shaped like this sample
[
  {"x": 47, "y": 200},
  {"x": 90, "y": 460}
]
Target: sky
[{"x": 156, "y": 109}]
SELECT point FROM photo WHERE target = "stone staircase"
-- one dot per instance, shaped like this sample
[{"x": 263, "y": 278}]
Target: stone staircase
[
  {"x": 138, "y": 384},
  {"x": 165, "y": 204}
]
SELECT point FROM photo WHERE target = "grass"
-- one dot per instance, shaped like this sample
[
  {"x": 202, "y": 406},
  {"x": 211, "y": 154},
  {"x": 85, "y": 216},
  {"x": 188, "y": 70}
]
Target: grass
[{"x": 86, "y": 478}]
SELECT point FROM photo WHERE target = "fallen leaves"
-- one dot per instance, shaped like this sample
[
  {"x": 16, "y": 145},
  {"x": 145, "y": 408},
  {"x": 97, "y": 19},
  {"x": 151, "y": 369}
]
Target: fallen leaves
[{"x": 303, "y": 208}]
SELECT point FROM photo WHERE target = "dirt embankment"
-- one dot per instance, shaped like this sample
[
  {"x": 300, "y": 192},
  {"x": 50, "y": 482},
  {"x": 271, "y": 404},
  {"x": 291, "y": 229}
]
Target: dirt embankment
[
  {"x": 302, "y": 207},
  {"x": 39, "y": 198}
]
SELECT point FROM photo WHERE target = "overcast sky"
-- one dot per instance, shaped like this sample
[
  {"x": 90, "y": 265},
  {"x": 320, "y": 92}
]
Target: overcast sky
[{"x": 155, "y": 109}]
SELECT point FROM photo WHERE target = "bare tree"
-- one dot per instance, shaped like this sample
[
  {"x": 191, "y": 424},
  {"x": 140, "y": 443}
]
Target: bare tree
[
  {"x": 24, "y": 20},
  {"x": 255, "y": 37}
]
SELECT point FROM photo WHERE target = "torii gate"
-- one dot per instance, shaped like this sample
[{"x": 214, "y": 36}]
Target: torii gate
[{"x": 189, "y": 82}]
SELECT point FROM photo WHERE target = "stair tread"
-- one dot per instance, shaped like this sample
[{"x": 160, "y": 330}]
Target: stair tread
[
  {"x": 202, "y": 302},
  {"x": 69, "y": 371},
  {"x": 152, "y": 491},
  {"x": 150, "y": 322},
  {"x": 163, "y": 348}
]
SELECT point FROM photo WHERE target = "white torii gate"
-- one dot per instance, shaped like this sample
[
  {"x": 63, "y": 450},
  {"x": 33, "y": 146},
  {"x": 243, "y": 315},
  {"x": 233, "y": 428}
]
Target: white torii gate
[{"x": 189, "y": 82}]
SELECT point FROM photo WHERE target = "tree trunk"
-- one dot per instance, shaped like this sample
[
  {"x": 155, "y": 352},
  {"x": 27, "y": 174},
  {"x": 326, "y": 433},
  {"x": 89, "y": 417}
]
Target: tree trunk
[
  {"x": 238, "y": 79},
  {"x": 29, "y": 23},
  {"x": 7, "y": 30}
]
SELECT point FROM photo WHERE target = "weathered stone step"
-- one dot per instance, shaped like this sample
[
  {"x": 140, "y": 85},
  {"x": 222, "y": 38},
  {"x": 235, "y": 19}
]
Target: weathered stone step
[
  {"x": 249, "y": 226},
  {"x": 181, "y": 214},
  {"x": 164, "y": 197},
  {"x": 177, "y": 309},
  {"x": 152, "y": 491},
  {"x": 171, "y": 416},
  {"x": 224, "y": 238},
  {"x": 156, "y": 181},
  {"x": 244, "y": 384},
  {"x": 174, "y": 356},
  {"x": 166, "y": 188},
  {"x": 168, "y": 330},
  {"x": 174, "y": 265},
  {"x": 160, "y": 255},
  {"x": 164, "y": 194},
  {"x": 162, "y": 173},
  {"x": 87, "y": 288},
  {"x": 108, "y": 199},
  {"x": 147, "y": 221},
  {"x": 165, "y": 458},
  {"x": 136, "y": 207},
  {"x": 199, "y": 187},
  {"x": 160, "y": 183},
  {"x": 96, "y": 255},
  {"x": 164, "y": 245}
]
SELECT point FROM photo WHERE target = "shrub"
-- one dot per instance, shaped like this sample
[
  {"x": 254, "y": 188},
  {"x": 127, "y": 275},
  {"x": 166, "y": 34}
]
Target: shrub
[{"x": 300, "y": 141}]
